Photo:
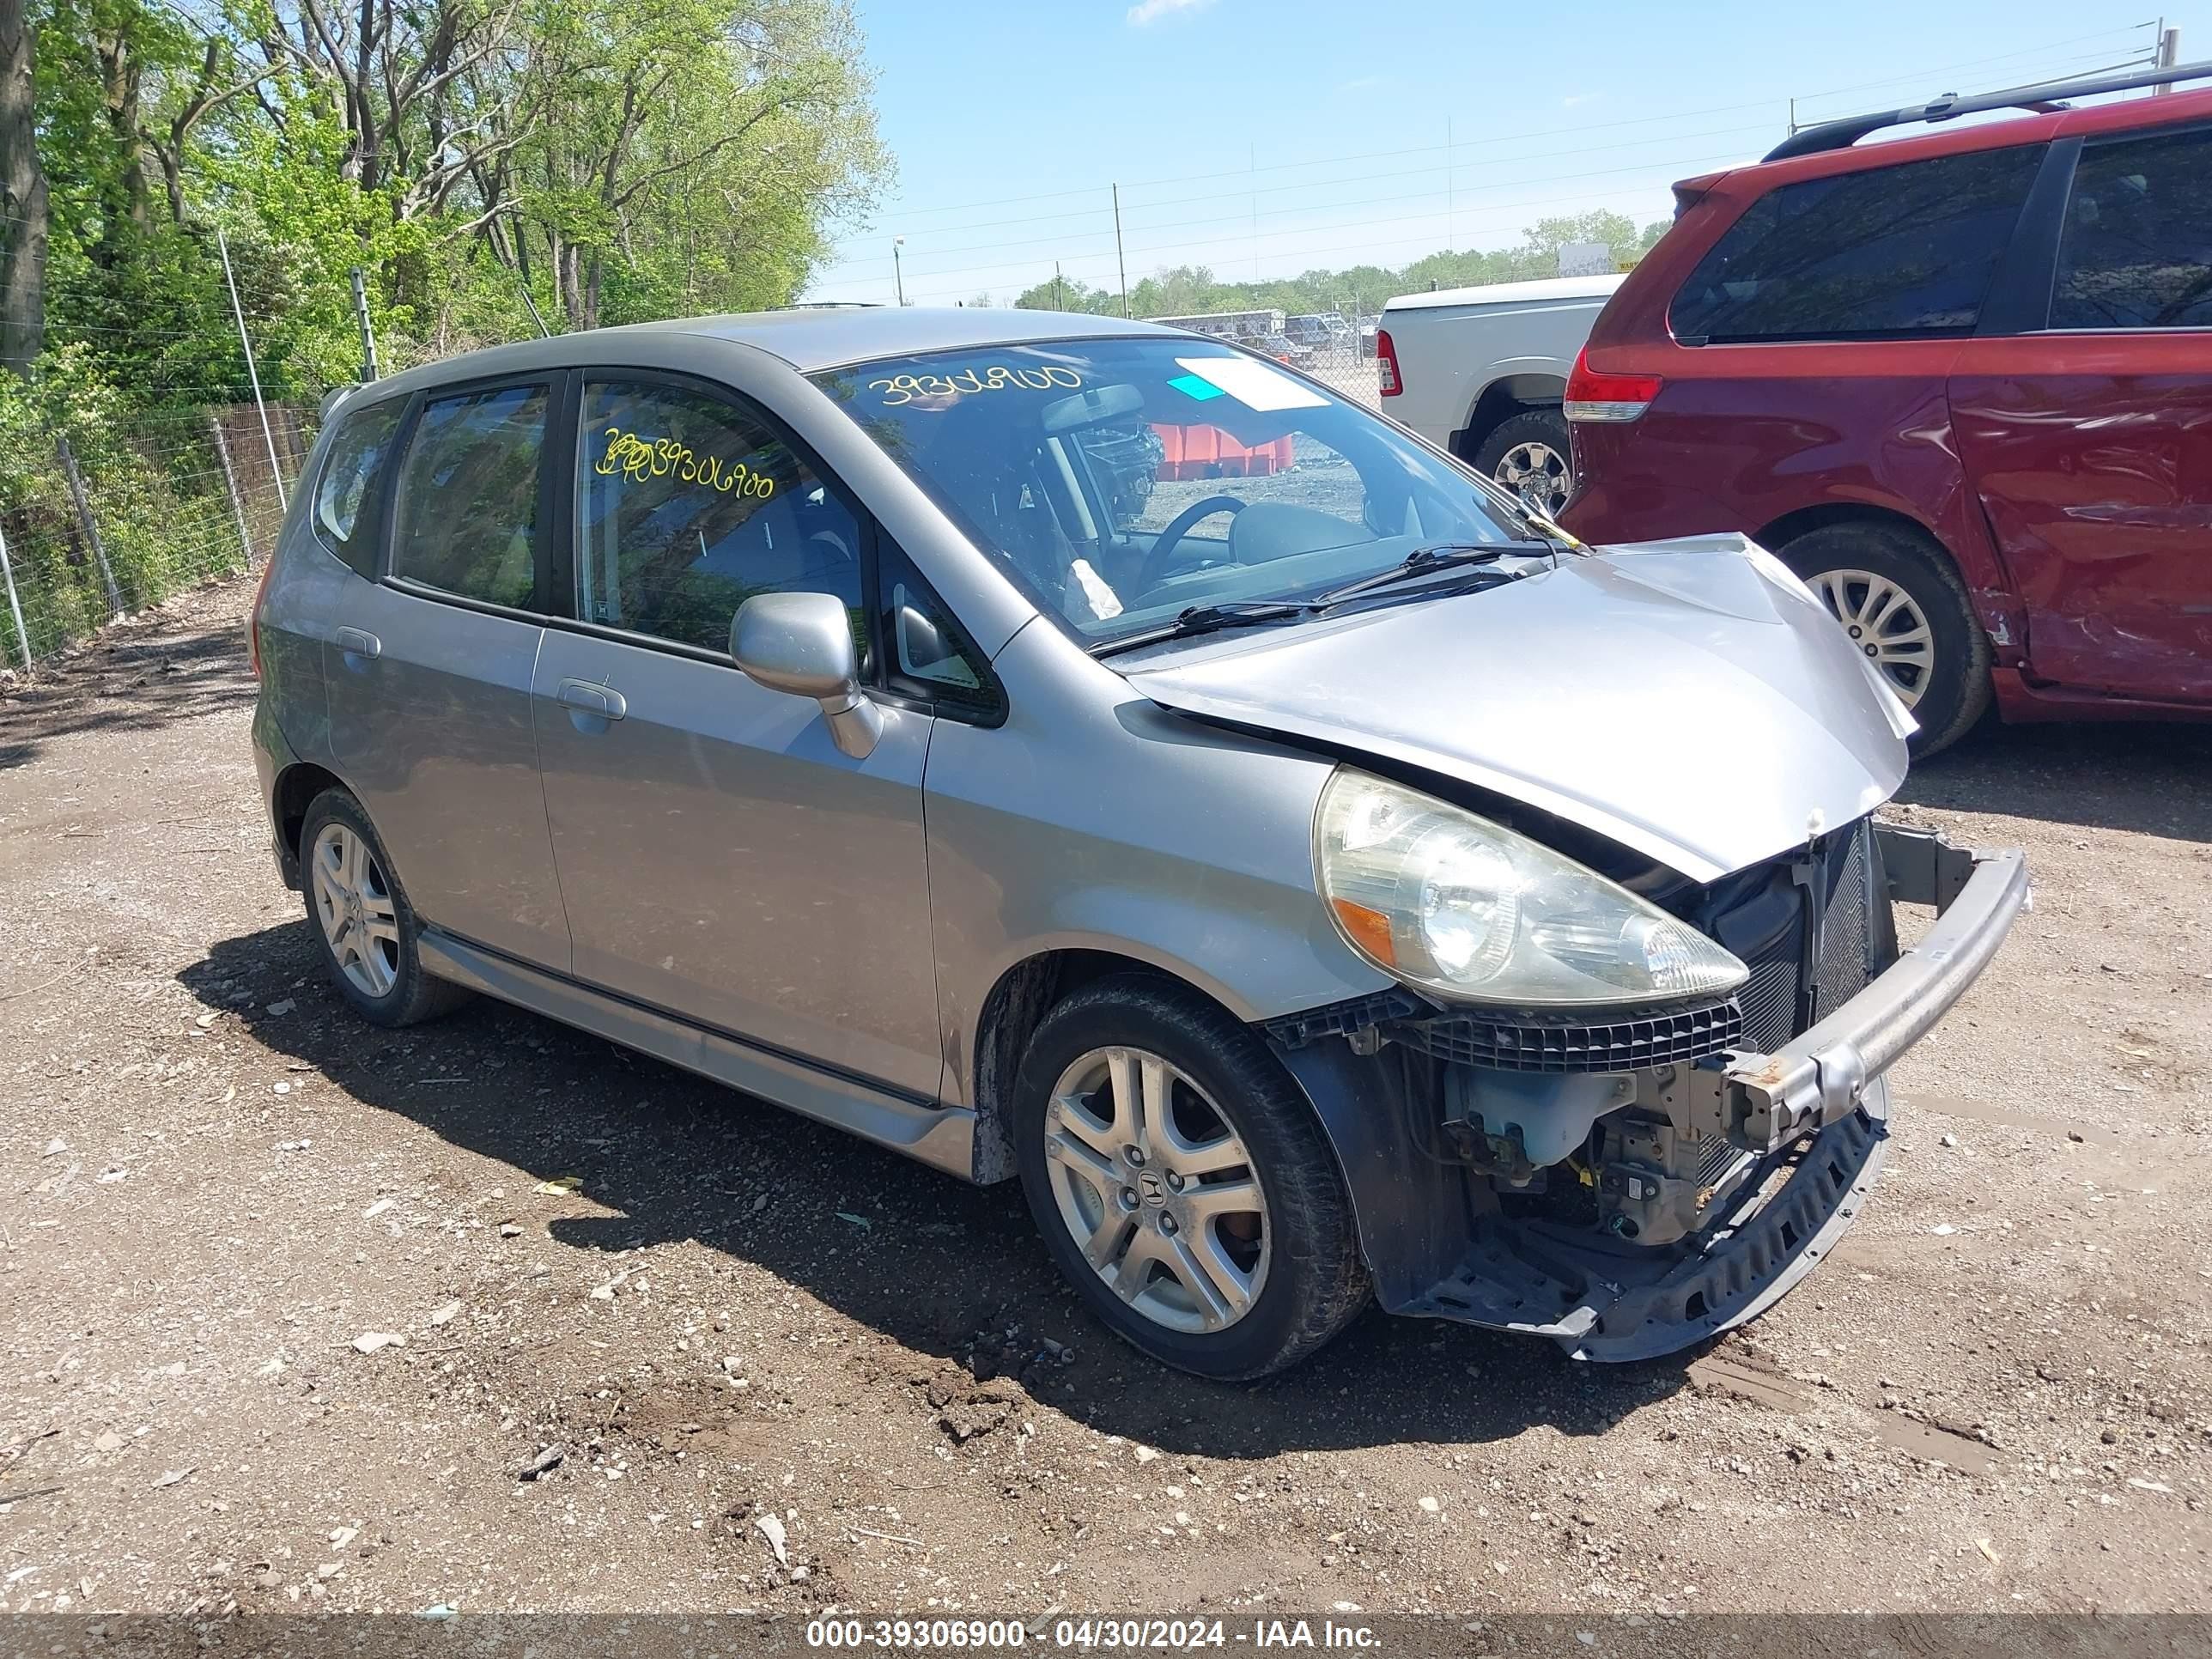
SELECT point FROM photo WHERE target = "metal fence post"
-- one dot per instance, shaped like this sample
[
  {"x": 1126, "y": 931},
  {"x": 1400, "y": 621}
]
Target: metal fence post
[
  {"x": 230, "y": 482},
  {"x": 252, "y": 375},
  {"x": 86, "y": 523},
  {"x": 22, "y": 634}
]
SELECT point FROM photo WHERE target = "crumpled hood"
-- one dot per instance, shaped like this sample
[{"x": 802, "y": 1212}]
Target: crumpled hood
[{"x": 1676, "y": 696}]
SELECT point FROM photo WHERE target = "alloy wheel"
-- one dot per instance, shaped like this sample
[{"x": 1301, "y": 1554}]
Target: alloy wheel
[
  {"x": 353, "y": 901},
  {"x": 1536, "y": 469},
  {"x": 1157, "y": 1190},
  {"x": 1885, "y": 623}
]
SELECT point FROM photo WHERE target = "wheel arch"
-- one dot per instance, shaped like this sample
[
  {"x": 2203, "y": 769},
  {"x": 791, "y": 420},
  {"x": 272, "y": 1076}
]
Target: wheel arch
[
  {"x": 289, "y": 797},
  {"x": 1805, "y": 520},
  {"x": 1500, "y": 401},
  {"x": 1016, "y": 1004}
]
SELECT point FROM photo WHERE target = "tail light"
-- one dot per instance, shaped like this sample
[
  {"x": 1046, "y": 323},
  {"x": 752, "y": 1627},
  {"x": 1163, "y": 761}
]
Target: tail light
[
  {"x": 1594, "y": 397},
  {"x": 253, "y": 617},
  {"x": 1386, "y": 364}
]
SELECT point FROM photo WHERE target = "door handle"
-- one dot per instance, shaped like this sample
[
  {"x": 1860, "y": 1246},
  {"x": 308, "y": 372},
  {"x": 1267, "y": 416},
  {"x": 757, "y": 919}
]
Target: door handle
[
  {"x": 357, "y": 642},
  {"x": 589, "y": 697}
]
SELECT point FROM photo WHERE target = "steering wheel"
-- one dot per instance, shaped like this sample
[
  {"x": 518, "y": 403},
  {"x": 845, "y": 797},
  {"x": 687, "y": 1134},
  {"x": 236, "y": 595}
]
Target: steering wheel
[{"x": 1156, "y": 562}]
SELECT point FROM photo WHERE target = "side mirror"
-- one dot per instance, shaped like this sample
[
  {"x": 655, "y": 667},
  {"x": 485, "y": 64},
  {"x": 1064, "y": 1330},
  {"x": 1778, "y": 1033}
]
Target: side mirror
[{"x": 802, "y": 644}]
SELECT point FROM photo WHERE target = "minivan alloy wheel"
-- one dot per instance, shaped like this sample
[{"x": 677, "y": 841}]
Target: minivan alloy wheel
[
  {"x": 354, "y": 903},
  {"x": 1885, "y": 624},
  {"x": 1538, "y": 470},
  {"x": 1157, "y": 1190}
]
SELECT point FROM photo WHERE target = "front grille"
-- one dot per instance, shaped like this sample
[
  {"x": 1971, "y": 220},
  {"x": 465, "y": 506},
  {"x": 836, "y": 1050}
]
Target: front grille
[
  {"x": 1844, "y": 964},
  {"x": 1533, "y": 1043}
]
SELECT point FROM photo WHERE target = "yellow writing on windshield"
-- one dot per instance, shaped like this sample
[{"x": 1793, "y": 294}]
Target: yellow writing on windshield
[
  {"x": 961, "y": 382},
  {"x": 638, "y": 457}
]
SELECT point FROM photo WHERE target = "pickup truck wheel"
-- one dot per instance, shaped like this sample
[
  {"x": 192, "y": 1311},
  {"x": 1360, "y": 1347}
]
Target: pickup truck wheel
[
  {"x": 1530, "y": 452},
  {"x": 1182, "y": 1184},
  {"x": 363, "y": 923},
  {"x": 1901, "y": 601}
]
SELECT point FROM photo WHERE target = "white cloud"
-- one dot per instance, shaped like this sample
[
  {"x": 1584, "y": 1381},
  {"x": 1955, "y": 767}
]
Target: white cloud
[
  {"x": 1151, "y": 11},
  {"x": 1576, "y": 99}
]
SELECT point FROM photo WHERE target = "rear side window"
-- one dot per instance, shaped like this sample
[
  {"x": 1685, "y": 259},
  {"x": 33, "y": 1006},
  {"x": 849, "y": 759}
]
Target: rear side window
[
  {"x": 466, "y": 515},
  {"x": 2137, "y": 248},
  {"x": 346, "y": 493},
  {"x": 1885, "y": 254},
  {"x": 688, "y": 505}
]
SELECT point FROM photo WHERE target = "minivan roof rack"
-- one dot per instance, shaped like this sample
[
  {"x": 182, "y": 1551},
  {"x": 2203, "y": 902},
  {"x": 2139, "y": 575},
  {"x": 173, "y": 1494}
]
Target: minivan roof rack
[{"x": 2044, "y": 96}]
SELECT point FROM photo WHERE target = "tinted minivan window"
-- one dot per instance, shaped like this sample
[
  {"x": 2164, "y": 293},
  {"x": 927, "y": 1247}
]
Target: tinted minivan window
[
  {"x": 1883, "y": 253},
  {"x": 2137, "y": 248},
  {"x": 467, "y": 507},
  {"x": 345, "y": 494},
  {"x": 688, "y": 505}
]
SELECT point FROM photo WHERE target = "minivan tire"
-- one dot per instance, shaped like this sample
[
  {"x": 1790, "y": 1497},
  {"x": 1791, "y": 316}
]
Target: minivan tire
[
  {"x": 413, "y": 995},
  {"x": 1547, "y": 426},
  {"x": 1957, "y": 690},
  {"x": 1314, "y": 1280}
]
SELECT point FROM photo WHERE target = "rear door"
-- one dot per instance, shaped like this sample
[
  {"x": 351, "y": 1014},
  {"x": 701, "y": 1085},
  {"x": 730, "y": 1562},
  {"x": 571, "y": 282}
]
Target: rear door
[
  {"x": 428, "y": 671},
  {"x": 2090, "y": 442},
  {"x": 720, "y": 858}
]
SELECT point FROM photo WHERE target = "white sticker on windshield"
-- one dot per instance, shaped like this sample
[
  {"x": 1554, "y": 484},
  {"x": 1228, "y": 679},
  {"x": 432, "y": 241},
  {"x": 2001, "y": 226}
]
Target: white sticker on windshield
[{"x": 1253, "y": 383}]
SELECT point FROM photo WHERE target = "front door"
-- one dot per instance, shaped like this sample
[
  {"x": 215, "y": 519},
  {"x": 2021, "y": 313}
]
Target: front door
[
  {"x": 2091, "y": 445},
  {"x": 720, "y": 858},
  {"x": 428, "y": 672}
]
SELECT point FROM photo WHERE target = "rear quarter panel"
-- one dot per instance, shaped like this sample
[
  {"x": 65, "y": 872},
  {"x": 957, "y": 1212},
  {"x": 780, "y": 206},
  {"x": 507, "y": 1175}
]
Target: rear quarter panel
[{"x": 1448, "y": 356}]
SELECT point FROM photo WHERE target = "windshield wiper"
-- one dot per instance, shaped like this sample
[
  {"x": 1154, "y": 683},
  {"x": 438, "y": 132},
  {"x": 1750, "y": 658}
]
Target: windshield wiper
[
  {"x": 1211, "y": 619},
  {"x": 1425, "y": 562}
]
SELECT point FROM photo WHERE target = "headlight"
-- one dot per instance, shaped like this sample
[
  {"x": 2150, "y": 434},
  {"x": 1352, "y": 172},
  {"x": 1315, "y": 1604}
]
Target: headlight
[{"x": 1438, "y": 897}]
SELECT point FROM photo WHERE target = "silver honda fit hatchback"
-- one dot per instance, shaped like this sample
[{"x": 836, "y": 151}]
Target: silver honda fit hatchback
[{"x": 1074, "y": 751}]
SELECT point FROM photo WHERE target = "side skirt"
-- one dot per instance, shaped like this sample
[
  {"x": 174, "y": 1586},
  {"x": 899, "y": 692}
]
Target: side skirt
[{"x": 943, "y": 1137}]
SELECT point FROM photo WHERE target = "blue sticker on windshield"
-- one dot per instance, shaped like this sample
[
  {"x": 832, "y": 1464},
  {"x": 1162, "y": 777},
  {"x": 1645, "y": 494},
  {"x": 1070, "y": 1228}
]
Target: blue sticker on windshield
[{"x": 1191, "y": 386}]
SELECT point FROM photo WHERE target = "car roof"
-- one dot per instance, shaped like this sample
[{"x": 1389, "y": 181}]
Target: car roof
[
  {"x": 1491, "y": 293},
  {"x": 809, "y": 339}
]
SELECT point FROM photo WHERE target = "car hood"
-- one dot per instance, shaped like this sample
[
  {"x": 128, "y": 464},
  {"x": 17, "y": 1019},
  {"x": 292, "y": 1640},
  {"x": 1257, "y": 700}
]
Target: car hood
[{"x": 1687, "y": 698}]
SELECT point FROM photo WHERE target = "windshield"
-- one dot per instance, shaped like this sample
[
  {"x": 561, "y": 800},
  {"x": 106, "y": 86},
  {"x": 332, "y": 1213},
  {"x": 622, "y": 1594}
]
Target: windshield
[{"x": 1124, "y": 482}]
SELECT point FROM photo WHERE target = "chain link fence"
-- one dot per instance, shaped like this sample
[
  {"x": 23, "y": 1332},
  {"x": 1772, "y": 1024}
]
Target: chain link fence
[{"x": 107, "y": 510}]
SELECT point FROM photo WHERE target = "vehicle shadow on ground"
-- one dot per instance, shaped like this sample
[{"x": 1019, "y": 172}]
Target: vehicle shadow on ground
[
  {"x": 137, "y": 681},
  {"x": 939, "y": 1264},
  {"x": 2153, "y": 780}
]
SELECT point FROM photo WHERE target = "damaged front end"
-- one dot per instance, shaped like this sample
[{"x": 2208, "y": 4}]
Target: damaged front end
[{"x": 1629, "y": 1182}]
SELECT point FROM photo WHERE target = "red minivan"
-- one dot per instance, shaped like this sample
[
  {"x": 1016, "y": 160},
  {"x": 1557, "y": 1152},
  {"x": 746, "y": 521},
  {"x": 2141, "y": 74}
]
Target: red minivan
[{"x": 1961, "y": 382}]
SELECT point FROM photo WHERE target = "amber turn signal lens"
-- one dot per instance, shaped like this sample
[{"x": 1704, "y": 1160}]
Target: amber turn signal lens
[{"x": 1370, "y": 930}]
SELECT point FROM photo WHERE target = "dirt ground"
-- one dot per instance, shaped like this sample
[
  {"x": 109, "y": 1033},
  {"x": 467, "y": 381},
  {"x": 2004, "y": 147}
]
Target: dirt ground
[{"x": 214, "y": 1184}]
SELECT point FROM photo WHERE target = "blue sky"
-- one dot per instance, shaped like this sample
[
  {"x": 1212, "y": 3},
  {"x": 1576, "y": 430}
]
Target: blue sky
[{"x": 1269, "y": 137}]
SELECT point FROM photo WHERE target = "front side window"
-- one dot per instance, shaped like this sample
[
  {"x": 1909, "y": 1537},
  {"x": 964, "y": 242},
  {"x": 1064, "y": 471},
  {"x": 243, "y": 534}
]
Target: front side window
[
  {"x": 1121, "y": 482},
  {"x": 2137, "y": 247},
  {"x": 345, "y": 494},
  {"x": 466, "y": 515},
  {"x": 1889, "y": 252},
  {"x": 687, "y": 505}
]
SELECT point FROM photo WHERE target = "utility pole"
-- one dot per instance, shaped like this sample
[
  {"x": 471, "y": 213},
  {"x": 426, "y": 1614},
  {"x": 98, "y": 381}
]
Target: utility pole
[
  {"x": 367, "y": 338},
  {"x": 898, "y": 274},
  {"x": 252, "y": 375},
  {"x": 2167, "y": 54},
  {"x": 1059, "y": 297},
  {"x": 1119, "y": 258}
]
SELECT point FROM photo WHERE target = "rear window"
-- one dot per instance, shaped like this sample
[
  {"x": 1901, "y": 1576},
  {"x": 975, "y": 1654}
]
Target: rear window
[
  {"x": 2138, "y": 251},
  {"x": 1889, "y": 252}
]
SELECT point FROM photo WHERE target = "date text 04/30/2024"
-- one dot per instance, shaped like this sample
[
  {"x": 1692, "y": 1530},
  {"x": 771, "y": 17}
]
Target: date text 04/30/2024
[{"x": 1084, "y": 1635}]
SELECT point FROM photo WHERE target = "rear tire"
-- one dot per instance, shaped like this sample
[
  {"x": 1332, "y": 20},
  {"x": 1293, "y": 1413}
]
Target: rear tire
[
  {"x": 1531, "y": 451},
  {"x": 364, "y": 928},
  {"x": 1223, "y": 1234},
  {"x": 1895, "y": 587}
]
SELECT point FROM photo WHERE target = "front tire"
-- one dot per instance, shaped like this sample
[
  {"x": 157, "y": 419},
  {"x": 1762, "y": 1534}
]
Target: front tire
[
  {"x": 1898, "y": 596},
  {"x": 1181, "y": 1181},
  {"x": 1532, "y": 452},
  {"x": 364, "y": 927}
]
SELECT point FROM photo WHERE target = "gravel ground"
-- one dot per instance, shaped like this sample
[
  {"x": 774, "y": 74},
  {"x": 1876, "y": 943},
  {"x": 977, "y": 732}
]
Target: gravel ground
[{"x": 217, "y": 1190}]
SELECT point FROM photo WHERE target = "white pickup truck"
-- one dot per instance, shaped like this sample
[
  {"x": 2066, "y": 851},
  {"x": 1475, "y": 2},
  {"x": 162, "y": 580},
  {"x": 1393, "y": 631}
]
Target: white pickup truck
[{"x": 1480, "y": 372}]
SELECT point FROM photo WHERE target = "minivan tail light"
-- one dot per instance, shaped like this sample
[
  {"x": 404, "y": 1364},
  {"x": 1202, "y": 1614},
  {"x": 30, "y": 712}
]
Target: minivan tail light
[
  {"x": 253, "y": 617},
  {"x": 1594, "y": 397},
  {"x": 1386, "y": 364}
]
